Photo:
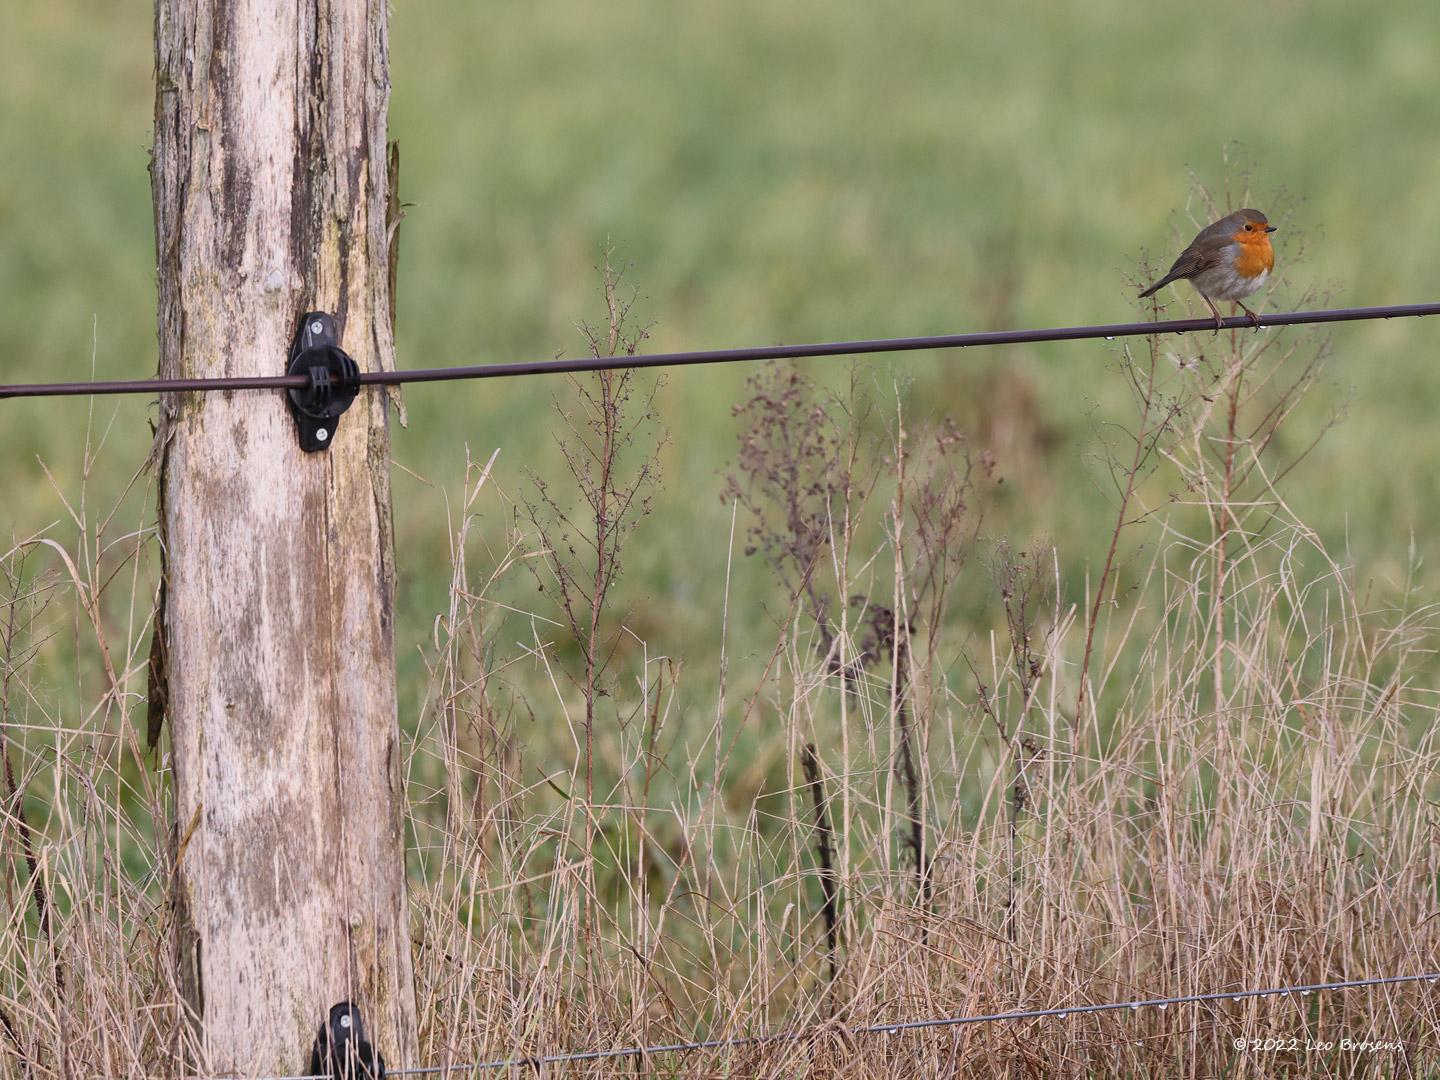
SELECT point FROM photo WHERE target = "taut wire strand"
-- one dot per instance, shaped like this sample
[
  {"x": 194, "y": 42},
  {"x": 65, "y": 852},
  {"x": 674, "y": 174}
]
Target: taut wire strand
[
  {"x": 795, "y": 1035},
  {"x": 719, "y": 356}
]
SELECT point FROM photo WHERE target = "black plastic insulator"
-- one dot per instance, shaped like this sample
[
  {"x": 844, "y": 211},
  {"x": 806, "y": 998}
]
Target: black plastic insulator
[
  {"x": 334, "y": 381},
  {"x": 342, "y": 1051}
]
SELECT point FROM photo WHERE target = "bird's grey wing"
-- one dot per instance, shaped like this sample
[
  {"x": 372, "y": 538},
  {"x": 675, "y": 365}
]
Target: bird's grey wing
[{"x": 1191, "y": 261}]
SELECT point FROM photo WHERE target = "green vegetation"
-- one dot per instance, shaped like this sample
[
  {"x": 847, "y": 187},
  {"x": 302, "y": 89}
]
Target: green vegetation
[{"x": 809, "y": 171}]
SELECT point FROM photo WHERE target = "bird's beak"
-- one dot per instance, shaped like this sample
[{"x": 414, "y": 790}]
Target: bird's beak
[{"x": 1269, "y": 228}]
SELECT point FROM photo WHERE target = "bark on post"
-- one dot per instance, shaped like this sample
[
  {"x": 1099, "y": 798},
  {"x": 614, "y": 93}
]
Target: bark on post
[{"x": 269, "y": 176}]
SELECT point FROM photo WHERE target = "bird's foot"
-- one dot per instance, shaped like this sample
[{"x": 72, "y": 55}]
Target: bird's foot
[
  {"x": 1254, "y": 319},
  {"x": 1219, "y": 322}
]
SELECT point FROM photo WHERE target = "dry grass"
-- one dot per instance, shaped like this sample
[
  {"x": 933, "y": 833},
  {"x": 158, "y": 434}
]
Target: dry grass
[{"x": 1218, "y": 773}]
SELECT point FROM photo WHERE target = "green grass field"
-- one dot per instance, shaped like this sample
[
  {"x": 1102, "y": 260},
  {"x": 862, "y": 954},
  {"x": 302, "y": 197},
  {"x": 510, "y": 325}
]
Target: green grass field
[
  {"x": 796, "y": 172},
  {"x": 821, "y": 171}
]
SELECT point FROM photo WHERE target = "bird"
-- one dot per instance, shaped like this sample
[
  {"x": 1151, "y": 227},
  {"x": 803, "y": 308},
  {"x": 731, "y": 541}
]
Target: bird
[
  {"x": 341, "y": 1049},
  {"x": 1228, "y": 260}
]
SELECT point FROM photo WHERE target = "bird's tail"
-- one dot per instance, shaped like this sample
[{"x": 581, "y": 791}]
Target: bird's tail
[{"x": 1159, "y": 285}]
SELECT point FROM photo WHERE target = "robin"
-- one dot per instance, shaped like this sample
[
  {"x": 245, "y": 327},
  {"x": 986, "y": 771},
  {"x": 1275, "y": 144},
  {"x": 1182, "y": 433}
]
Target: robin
[{"x": 1226, "y": 261}]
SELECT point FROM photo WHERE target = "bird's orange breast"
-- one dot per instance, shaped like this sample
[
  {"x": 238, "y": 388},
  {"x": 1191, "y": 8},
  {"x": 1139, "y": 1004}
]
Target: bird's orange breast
[{"x": 1255, "y": 256}]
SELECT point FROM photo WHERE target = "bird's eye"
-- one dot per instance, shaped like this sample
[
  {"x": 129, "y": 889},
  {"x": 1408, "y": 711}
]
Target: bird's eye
[{"x": 1249, "y": 227}]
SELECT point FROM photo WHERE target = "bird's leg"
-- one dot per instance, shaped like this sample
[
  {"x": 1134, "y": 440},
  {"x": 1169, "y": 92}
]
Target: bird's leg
[
  {"x": 1219, "y": 322},
  {"x": 1254, "y": 319}
]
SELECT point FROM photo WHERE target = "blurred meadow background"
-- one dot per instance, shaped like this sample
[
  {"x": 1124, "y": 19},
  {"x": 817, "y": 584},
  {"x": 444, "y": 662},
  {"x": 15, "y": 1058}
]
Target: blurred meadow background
[
  {"x": 801, "y": 172},
  {"x": 813, "y": 172}
]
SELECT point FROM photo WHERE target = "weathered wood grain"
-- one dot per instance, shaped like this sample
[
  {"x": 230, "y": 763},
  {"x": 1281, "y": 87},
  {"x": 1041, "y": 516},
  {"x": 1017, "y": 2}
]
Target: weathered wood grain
[{"x": 269, "y": 176}]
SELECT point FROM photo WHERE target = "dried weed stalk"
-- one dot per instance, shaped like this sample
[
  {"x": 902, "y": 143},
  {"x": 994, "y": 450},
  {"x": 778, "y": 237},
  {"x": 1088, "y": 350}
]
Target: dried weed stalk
[
  {"x": 610, "y": 443},
  {"x": 806, "y": 468}
]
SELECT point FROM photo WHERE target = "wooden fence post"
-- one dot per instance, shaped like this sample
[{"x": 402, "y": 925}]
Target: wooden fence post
[{"x": 269, "y": 175}]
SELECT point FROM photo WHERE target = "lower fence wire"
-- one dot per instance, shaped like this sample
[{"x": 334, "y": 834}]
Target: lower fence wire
[{"x": 798, "y": 1034}]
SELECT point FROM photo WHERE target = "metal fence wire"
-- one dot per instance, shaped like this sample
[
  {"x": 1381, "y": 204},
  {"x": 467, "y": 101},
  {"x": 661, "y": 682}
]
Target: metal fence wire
[
  {"x": 794, "y": 1035},
  {"x": 722, "y": 356}
]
